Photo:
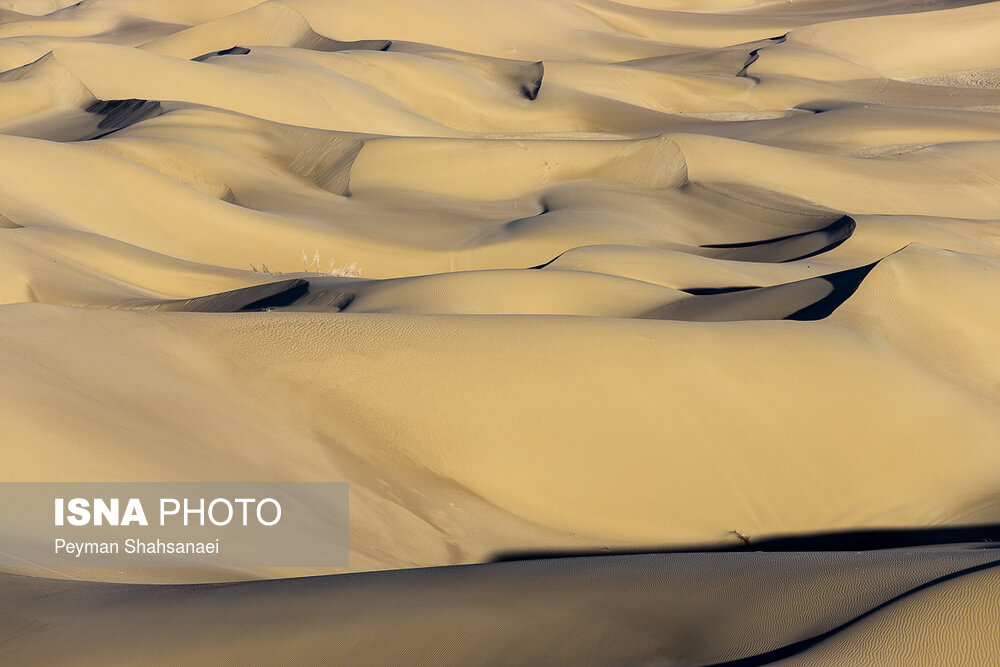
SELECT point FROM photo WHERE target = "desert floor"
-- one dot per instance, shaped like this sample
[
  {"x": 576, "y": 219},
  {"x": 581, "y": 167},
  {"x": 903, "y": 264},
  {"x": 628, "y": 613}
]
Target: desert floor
[{"x": 693, "y": 294}]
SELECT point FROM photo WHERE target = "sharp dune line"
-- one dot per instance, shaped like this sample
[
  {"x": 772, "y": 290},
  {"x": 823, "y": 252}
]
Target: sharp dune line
[{"x": 533, "y": 276}]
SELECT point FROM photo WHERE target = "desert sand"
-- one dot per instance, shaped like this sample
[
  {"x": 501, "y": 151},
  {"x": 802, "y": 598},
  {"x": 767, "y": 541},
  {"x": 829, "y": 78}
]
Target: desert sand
[{"x": 536, "y": 277}]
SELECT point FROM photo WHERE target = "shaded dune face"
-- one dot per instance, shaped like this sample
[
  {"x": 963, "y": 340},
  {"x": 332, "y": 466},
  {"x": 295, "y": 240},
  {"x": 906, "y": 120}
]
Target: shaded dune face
[
  {"x": 119, "y": 114},
  {"x": 232, "y": 51},
  {"x": 701, "y": 609},
  {"x": 810, "y": 243},
  {"x": 541, "y": 277}
]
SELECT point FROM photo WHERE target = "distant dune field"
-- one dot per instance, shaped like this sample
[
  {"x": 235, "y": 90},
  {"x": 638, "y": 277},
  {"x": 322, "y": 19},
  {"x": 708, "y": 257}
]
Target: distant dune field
[{"x": 702, "y": 296}]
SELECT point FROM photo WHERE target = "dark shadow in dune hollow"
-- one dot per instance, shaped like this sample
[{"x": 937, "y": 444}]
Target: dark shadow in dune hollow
[
  {"x": 709, "y": 291},
  {"x": 295, "y": 294},
  {"x": 754, "y": 55},
  {"x": 542, "y": 266},
  {"x": 844, "y": 283},
  {"x": 245, "y": 299},
  {"x": 987, "y": 535},
  {"x": 531, "y": 87},
  {"x": 830, "y": 236},
  {"x": 327, "y": 45},
  {"x": 119, "y": 114},
  {"x": 233, "y": 51},
  {"x": 290, "y": 292}
]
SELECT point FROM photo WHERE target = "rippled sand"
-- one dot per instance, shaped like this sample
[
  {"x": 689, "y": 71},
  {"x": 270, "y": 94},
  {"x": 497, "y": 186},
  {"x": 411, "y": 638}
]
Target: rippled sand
[{"x": 535, "y": 277}]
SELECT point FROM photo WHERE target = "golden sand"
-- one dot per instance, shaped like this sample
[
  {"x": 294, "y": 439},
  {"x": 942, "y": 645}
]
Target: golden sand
[{"x": 581, "y": 276}]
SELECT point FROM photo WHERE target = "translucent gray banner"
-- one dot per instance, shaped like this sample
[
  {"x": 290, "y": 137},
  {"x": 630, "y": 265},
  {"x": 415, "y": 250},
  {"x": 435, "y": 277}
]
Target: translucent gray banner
[{"x": 174, "y": 524}]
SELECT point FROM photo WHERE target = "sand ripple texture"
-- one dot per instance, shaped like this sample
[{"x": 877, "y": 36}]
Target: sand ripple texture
[{"x": 531, "y": 275}]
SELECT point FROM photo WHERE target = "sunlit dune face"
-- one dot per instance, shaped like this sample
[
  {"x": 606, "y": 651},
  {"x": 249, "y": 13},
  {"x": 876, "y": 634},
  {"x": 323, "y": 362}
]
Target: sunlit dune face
[{"x": 675, "y": 321}]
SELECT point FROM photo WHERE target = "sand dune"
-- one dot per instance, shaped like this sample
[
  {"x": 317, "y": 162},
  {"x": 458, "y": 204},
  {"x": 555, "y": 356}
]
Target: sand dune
[
  {"x": 686, "y": 609},
  {"x": 532, "y": 276}
]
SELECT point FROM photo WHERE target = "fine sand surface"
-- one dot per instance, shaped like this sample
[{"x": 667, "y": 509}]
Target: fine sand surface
[
  {"x": 875, "y": 608},
  {"x": 533, "y": 276}
]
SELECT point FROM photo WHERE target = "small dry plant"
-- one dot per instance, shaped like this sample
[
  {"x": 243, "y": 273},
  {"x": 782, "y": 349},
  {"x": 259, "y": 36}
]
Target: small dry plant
[{"x": 316, "y": 265}]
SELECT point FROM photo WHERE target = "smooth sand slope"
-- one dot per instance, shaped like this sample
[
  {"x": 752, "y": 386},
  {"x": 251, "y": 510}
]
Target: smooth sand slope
[
  {"x": 531, "y": 276},
  {"x": 881, "y": 607}
]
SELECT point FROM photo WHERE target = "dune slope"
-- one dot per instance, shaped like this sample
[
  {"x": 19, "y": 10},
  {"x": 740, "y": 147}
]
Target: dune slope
[{"x": 532, "y": 276}]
